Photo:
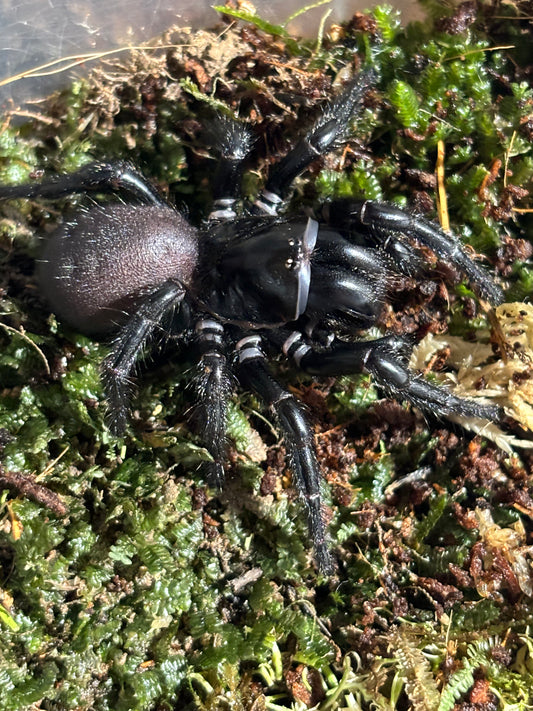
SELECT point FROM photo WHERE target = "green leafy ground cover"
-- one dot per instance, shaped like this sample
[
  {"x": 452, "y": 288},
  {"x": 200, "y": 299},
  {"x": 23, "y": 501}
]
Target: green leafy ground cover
[{"x": 126, "y": 584}]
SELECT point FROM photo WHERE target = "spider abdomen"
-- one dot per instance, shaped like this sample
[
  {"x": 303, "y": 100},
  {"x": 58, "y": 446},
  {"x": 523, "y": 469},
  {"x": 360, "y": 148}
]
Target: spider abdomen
[{"x": 96, "y": 266}]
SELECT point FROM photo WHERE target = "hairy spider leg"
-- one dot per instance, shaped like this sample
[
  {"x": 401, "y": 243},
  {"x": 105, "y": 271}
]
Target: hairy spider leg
[
  {"x": 379, "y": 221},
  {"x": 127, "y": 346},
  {"x": 253, "y": 374},
  {"x": 328, "y": 132},
  {"x": 386, "y": 360},
  {"x": 233, "y": 142},
  {"x": 95, "y": 177},
  {"x": 213, "y": 385}
]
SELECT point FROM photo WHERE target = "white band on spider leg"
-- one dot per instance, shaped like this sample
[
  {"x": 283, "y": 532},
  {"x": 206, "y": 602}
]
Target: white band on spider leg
[
  {"x": 268, "y": 202},
  {"x": 248, "y": 348},
  {"x": 209, "y": 330},
  {"x": 208, "y": 324},
  {"x": 294, "y": 339},
  {"x": 224, "y": 202},
  {"x": 363, "y": 212},
  {"x": 227, "y": 214},
  {"x": 291, "y": 340},
  {"x": 265, "y": 208},
  {"x": 300, "y": 352},
  {"x": 272, "y": 198},
  {"x": 223, "y": 209}
]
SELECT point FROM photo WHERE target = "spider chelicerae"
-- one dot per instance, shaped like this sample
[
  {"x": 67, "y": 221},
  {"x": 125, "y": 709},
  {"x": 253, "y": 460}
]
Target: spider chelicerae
[{"x": 245, "y": 287}]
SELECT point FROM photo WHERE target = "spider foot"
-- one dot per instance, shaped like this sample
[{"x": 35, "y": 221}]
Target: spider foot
[
  {"x": 386, "y": 225},
  {"x": 254, "y": 374},
  {"x": 386, "y": 362}
]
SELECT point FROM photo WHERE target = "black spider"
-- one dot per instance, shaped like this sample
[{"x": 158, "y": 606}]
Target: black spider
[{"x": 241, "y": 289}]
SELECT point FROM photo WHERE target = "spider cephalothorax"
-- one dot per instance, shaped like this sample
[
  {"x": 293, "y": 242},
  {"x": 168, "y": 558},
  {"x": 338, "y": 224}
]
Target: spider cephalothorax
[{"x": 247, "y": 287}]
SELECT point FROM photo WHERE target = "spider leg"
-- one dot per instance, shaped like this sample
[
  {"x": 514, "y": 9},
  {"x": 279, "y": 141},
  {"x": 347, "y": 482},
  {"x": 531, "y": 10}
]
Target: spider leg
[
  {"x": 95, "y": 177},
  {"x": 386, "y": 360},
  {"x": 233, "y": 140},
  {"x": 117, "y": 366},
  {"x": 379, "y": 220},
  {"x": 348, "y": 281},
  {"x": 329, "y": 131},
  {"x": 253, "y": 374},
  {"x": 213, "y": 385}
]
